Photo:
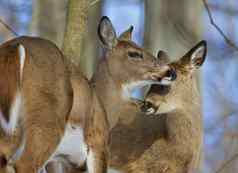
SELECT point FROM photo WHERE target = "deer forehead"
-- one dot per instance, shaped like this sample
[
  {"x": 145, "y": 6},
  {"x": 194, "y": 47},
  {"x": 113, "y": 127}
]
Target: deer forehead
[{"x": 128, "y": 45}]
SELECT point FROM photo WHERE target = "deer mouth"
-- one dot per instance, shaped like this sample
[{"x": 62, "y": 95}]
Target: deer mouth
[
  {"x": 138, "y": 91},
  {"x": 150, "y": 108},
  {"x": 166, "y": 79},
  {"x": 161, "y": 87}
]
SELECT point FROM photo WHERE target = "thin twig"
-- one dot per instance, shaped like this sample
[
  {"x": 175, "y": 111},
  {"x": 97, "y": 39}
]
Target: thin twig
[
  {"x": 231, "y": 134},
  {"x": 227, "y": 163},
  {"x": 94, "y": 2},
  {"x": 8, "y": 28},
  {"x": 213, "y": 23}
]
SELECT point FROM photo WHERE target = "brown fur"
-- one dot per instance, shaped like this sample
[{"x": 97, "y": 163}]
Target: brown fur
[
  {"x": 9, "y": 78},
  {"x": 179, "y": 147},
  {"x": 91, "y": 116},
  {"x": 45, "y": 117},
  {"x": 116, "y": 69},
  {"x": 47, "y": 95}
]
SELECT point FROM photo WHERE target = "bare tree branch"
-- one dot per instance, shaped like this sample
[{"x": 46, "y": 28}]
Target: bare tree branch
[
  {"x": 231, "y": 134},
  {"x": 224, "y": 9},
  {"x": 94, "y": 2},
  {"x": 213, "y": 23},
  {"x": 77, "y": 18},
  {"x": 233, "y": 158},
  {"x": 8, "y": 28}
]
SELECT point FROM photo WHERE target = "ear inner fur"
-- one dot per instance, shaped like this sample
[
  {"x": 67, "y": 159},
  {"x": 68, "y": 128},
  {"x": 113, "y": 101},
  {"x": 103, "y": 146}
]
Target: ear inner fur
[
  {"x": 126, "y": 36},
  {"x": 107, "y": 33},
  {"x": 191, "y": 60}
]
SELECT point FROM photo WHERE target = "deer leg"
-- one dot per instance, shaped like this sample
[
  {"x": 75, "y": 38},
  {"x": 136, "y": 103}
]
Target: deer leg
[
  {"x": 97, "y": 138},
  {"x": 96, "y": 162},
  {"x": 42, "y": 133}
]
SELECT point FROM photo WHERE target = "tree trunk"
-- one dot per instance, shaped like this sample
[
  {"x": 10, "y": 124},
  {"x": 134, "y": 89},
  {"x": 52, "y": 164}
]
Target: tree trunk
[
  {"x": 75, "y": 29},
  {"x": 48, "y": 19},
  {"x": 89, "y": 54},
  {"x": 172, "y": 26}
]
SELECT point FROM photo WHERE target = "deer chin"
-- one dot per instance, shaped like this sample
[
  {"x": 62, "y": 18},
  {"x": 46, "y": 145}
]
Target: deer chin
[
  {"x": 166, "y": 81},
  {"x": 153, "y": 107},
  {"x": 150, "y": 109}
]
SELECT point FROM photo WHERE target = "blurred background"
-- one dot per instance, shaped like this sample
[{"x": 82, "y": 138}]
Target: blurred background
[{"x": 171, "y": 25}]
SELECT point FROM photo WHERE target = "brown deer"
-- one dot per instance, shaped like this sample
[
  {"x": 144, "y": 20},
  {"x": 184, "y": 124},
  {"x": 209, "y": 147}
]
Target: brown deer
[
  {"x": 124, "y": 68},
  {"x": 35, "y": 95},
  {"x": 37, "y": 92},
  {"x": 85, "y": 136},
  {"x": 169, "y": 142},
  {"x": 178, "y": 146}
]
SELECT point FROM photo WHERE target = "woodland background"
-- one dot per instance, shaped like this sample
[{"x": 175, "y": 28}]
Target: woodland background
[{"x": 171, "y": 25}]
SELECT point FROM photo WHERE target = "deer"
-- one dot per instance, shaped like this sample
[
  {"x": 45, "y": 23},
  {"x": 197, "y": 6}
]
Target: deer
[
  {"x": 43, "y": 118},
  {"x": 86, "y": 125},
  {"x": 123, "y": 68},
  {"x": 147, "y": 136},
  {"x": 177, "y": 108}
]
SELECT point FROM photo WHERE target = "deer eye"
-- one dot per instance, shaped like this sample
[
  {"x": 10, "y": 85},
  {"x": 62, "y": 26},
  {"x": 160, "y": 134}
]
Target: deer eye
[{"x": 135, "y": 55}]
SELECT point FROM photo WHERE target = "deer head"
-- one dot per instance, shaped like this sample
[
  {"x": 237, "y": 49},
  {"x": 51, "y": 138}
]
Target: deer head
[
  {"x": 129, "y": 65},
  {"x": 182, "y": 93}
]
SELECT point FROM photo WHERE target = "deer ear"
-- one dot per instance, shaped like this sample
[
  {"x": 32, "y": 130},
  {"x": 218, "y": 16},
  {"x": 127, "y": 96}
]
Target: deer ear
[
  {"x": 106, "y": 33},
  {"x": 126, "y": 35},
  {"x": 196, "y": 56}
]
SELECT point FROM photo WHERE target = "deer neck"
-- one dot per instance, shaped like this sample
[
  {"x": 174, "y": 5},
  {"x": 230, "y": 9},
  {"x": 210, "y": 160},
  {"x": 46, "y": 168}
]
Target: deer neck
[
  {"x": 109, "y": 91},
  {"x": 186, "y": 97}
]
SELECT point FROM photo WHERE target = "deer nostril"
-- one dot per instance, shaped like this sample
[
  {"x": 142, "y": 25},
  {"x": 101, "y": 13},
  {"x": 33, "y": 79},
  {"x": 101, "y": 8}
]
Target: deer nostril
[{"x": 171, "y": 74}]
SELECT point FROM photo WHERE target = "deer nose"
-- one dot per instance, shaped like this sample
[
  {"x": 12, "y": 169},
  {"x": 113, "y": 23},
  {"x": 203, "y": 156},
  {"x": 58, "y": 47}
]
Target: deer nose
[{"x": 171, "y": 73}]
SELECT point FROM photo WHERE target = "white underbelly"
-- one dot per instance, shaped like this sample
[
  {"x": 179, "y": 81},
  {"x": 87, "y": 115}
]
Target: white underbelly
[
  {"x": 72, "y": 145},
  {"x": 110, "y": 170}
]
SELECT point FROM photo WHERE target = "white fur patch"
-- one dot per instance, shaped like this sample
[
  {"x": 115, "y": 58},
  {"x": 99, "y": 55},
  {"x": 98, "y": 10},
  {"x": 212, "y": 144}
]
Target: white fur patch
[
  {"x": 10, "y": 169},
  {"x": 113, "y": 171},
  {"x": 19, "y": 152},
  {"x": 198, "y": 53},
  {"x": 15, "y": 110},
  {"x": 150, "y": 111},
  {"x": 128, "y": 89},
  {"x": 22, "y": 55},
  {"x": 90, "y": 162},
  {"x": 166, "y": 81},
  {"x": 71, "y": 145},
  {"x": 165, "y": 108}
]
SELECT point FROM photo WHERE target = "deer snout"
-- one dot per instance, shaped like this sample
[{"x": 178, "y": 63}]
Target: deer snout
[{"x": 165, "y": 76}]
